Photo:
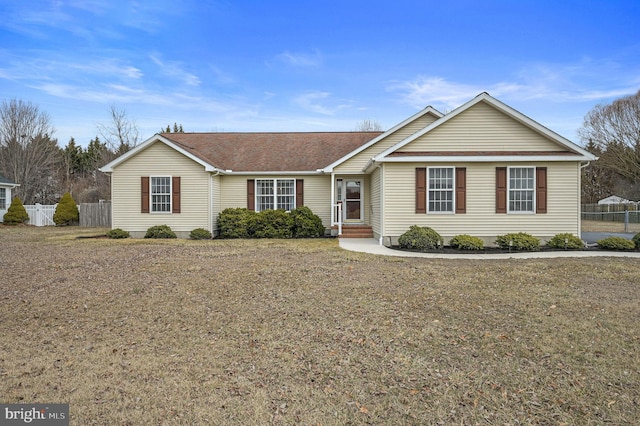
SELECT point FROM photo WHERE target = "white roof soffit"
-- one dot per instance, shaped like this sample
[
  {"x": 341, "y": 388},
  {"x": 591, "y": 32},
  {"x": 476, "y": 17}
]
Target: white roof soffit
[
  {"x": 108, "y": 168},
  {"x": 415, "y": 116},
  {"x": 516, "y": 115}
]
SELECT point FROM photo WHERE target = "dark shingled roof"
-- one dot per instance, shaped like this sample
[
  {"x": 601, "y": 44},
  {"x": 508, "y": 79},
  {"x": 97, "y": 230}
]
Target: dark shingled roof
[
  {"x": 5, "y": 180},
  {"x": 266, "y": 152}
]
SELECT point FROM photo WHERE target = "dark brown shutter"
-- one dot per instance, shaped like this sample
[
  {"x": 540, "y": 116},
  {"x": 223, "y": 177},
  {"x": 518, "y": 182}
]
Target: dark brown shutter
[
  {"x": 461, "y": 190},
  {"x": 501, "y": 189},
  {"x": 299, "y": 193},
  {"x": 421, "y": 190},
  {"x": 541, "y": 189},
  {"x": 175, "y": 194},
  {"x": 144, "y": 205},
  {"x": 251, "y": 194}
]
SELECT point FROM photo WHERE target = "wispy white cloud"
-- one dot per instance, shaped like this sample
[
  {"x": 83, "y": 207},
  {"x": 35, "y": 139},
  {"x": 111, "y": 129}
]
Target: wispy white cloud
[
  {"x": 562, "y": 83},
  {"x": 301, "y": 59},
  {"x": 317, "y": 102},
  {"x": 175, "y": 70}
]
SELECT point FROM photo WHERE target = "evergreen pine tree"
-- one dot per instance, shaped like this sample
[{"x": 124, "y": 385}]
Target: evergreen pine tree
[
  {"x": 66, "y": 211},
  {"x": 16, "y": 213}
]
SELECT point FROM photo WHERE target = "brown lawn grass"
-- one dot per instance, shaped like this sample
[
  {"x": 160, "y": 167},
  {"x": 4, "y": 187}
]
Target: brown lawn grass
[
  {"x": 600, "y": 226},
  {"x": 302, "y": 332}
]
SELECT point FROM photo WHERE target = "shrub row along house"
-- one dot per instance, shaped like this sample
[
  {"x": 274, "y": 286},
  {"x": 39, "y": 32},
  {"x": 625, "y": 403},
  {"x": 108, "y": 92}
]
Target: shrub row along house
[{"x": 483, "y": 169}]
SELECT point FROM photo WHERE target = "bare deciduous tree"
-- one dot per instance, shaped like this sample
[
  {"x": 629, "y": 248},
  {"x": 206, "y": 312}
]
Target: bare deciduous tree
[
  {"x": 369, "y": 126},
  {"x": 28, "y": 155},
  {"x": 615, "y": 130},
  {"x": 121, "y": 133}
]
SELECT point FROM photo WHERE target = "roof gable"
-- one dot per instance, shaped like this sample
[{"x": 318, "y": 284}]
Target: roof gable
[
  {"x": 428, "y": 110},
  {"x": 554, "y": 138}
]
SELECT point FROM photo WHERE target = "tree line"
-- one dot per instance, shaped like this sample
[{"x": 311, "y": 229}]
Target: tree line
[
  {"x": 31, "y": 157},
  {"x": 612, "y": 132}
]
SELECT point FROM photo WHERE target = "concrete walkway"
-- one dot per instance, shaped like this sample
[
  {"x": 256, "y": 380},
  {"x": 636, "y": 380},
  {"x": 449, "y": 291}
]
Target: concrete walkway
[{"x": 370, "y": 245}]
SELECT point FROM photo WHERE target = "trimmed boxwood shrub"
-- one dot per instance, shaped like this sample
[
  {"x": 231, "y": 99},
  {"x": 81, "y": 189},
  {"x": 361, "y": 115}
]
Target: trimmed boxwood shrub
[
  {"x": 118, "y": 233},
  {"x": 466, "y": 242},
  {"x": 236, "y": 223},
  {"x": 200, "y": 234},
  {"x": 565, "y": 241},
  {"x": 519, "y": 241},
  {"x": 420, "y": 238},
  {"x": 244, "y": 223},
  {"x": 160, "y": 231},
  {"x": 636, "y": 240},
  {"x": 66, "y": 211},
  {"x": 306, "y": 224},
  {"x": 273, "y": 224},
  {"x": 16, "y": 213},
  {"x": 616, "y": 243}
]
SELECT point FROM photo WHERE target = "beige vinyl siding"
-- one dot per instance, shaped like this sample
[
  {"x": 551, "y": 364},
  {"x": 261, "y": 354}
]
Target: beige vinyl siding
[
  {"x": 317, "y": 193},
  {"x": 358, "y": 161},
  {"x": 482, "y": 128},
  {"x": 563, "y": 201},
  {"x": 374, "y": 197},
  {"x": 215, "y": 201},
  {"x": 160, "y": 160}
]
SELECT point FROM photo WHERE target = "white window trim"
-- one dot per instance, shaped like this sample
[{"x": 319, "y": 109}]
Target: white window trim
[
  {"x": 275, "y": 192},
  {"x": 453, "y": 192},
  {"x": 4, "y": 198},
  {"x": 151, "y": 211},
  {"x": 517, "y": 212}
]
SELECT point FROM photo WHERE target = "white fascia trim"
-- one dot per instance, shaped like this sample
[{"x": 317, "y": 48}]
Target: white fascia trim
[
  {"x": 516, "y": 115},
  {"x": 373, "y": 141},
  {"x": 108, "y": 168},
  {"x": 480, "y": 159},
  {"x": 272, "y": 173}
]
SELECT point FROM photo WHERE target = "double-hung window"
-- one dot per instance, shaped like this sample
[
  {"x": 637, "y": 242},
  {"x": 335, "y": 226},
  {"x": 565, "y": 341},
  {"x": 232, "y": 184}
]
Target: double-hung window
[
  {"x": 521, "y": 189},
  {"x": 161, "y": 194},
  {"x": 441, "y": 186},
  {"x": 275, "y": 194},
  {"x": 3, "y": 198}
]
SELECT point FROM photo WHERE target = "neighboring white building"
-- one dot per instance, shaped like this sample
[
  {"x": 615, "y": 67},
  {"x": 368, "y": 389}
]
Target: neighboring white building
[
  {"x": 614, "y": 199},
  {"x": 5, "y": 195}
]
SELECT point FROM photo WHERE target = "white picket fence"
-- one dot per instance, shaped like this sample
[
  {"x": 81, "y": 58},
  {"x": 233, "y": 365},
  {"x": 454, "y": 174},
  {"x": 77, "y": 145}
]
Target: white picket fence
[{"x": 40, "y": 214}]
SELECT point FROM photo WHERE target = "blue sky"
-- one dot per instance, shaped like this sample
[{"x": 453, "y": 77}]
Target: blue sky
[{"x": 312, "y": 65}]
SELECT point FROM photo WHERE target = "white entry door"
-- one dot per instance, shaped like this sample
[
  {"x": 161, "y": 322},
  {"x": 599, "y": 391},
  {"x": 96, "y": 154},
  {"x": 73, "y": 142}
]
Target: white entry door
[{"x": 349, "y": 194}]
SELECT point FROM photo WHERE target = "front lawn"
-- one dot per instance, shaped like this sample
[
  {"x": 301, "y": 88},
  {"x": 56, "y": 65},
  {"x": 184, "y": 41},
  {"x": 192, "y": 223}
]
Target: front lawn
[{"x": 301, "y": 332}]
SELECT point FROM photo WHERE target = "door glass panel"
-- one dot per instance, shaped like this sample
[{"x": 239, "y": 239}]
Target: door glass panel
[
  {"x": 353, "y": 190},
  {"x": 353, "y": 210},
  {"x": 353, "y": 200}
]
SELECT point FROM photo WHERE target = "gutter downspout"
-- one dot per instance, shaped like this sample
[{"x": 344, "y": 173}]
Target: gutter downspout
[
  {"x": 380, "y": 239},
  {"x": 582, "y": 166}
]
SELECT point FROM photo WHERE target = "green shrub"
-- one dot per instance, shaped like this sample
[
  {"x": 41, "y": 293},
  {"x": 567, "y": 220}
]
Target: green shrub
[
  {"x": 306, "y": 224},
  {"x": 160, "y": 231},
  {"x": 565, "y": 241},
  {"x": 518, "y": 241},
  {"x": 466, "y": 242},
  {"x": 236, "y": 223},
  {"x": 636, "y": 240},
  {"x": 66, "y": 211},
  {"x": 616, "y": 243},
  {"x": 420, "y": 238},
  {"x": 273, "y": 224},
  {"x": 200, "y": 234},
  {"x": 16, "y": 213},
  {"x": 118, "y": 233}
]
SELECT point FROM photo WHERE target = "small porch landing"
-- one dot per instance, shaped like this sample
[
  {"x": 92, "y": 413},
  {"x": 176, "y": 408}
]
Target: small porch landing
[{"x": 355, "y": 231}]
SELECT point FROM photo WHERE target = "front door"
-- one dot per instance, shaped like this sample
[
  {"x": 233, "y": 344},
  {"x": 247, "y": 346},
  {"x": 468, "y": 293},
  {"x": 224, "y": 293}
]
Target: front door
[{"x": 349, "y": 193}]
